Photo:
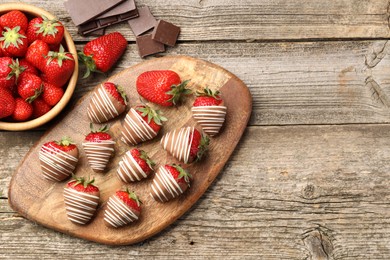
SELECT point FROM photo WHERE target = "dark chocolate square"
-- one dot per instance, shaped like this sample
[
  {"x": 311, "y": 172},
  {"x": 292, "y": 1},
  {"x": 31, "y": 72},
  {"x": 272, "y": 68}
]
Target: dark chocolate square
[
  {"x": 147, "y": 46},
  {"x": 144, "y": 22},
  {"x": 166, "y": 33}
]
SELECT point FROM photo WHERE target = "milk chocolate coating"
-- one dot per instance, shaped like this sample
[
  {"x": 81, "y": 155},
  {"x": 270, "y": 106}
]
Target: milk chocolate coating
[
  {"x": 99, "y": 154},
  {"x": 80, "y": 206},
  {"x": 210, "y": 118},
  {"x": 118, "y": 213},
  {"x": 129, "y": 170},
  {"x": 178, "y": 144},
  {"x": 135, "y": 130},
  {"x": 164, "y": 187}
]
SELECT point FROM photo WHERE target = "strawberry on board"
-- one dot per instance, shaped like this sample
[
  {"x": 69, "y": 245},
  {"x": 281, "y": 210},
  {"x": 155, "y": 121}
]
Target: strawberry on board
[
  {"x": 58, "y": 159},
  {"x": 99, "y": 148},
  {"x": 108, "y": 101},
  {"x": 59, "y": 67},
  {"x": 7, "y": 103},
  {"x": 51, "y": 94},
  {"x": 135, "y": 166},
  {"x": 209, "y": 111},
  {"x": 49, "y": 31},
  {"x": 40, "y": 107},
  {"x": 23, "y": 110},
  {"x": 170, "y": 182},
  {"x": 36, "y": 54},
  {"x": 13, "y": 19},
  {"x": 81, "y": 200},
  {"x": 163, "y": 87},
  {"x": 141, "y": 124},
  {"x": 186, "y": 144},
  {"x": 14, "y": 42},
  {"x": 123, "y": 208},
  {"x": 100, "y": 54},
  {"x": 29, "y": 86}
]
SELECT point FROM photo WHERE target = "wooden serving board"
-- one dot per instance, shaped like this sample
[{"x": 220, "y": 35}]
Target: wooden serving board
[{"x": 42, "y": 201}]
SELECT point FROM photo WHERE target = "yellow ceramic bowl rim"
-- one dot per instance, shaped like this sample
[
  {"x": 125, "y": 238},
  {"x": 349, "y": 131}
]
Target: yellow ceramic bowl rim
[{"x": 19, "y": 126}]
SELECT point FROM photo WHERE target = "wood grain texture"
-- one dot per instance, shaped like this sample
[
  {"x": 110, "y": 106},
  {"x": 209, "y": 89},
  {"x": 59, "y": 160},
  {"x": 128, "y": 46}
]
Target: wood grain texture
[
  {"x": 43, "y": 202},
  {"x": 285, "y": 193},
  {"x": 204, "y": 20}
]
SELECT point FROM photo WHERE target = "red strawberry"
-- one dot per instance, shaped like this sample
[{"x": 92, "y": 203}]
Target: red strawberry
[
  {"x": 36, "y": 54},
  {"x": 49, "y": 31},
  {"x": 29, "y": 86},
  {"x": 14, "y": 42},
  {"x": 163, "y": 87},
  {"x": 13, "y": 19},
  {"x": 163, "y": 192},
  {"x": 97, "y": 136},
  {"x": 51, "y": 94},
  {"x": 28, "y": 67},
  {"x": 59, "y": 67},
  {"x": 103, "y": 52},
  {"x": 122, "y": 208},
  {"x": 23, "y": 110},
  {"x": 208, "y": 110},
  {"x": 40, "y": 107},
  {"x": 151, "y": 116},
  {"x": 58, "y": 159},
  {"x": 31, "y": 32},
  {"x": 81, "y": 200},
  {"x": 185, "y": 144},
  {"x": 135, "y": 165},
  {"x": 7, "y": 103},
  {"x": 7, "y": 76}
]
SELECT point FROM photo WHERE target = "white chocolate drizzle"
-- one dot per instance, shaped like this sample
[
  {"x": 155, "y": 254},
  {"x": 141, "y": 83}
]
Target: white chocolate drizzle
[
  {"x": 178, "y": 143},
  {"x": 129, "y": 170},
  {"x": 80, "y": 206},
  {"x": 56, "y": 164},
  {"x": 135, "y": 129},
  {"x": 99, "y": 153},
  {"x": 164, "y": 186},
  {"x": 118, "y": 213},
  {"x": 104, "y": 107},
  {"x": 210, "y": 118}
]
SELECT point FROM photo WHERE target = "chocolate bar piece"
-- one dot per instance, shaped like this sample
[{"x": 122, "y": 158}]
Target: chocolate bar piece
[
  {"x": 166, "y": 33},
  {"x": 144, "y": 22},
  {"x": 98, "y": 32},
  {"x": 147, "y": 46},
  {"x": 94, "y": 25},
  {"x": 126, "y": 6},
  {"x": 82, "y": 11}
]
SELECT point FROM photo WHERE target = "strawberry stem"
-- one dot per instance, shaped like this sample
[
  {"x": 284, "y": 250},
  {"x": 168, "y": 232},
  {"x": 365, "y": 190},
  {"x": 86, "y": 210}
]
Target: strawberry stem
[
  {"x": 47, "y": 27},
  {"x": 177, "y": 91},
  {"x": 203, "y": 147},
  {"x": 103, "y": 129},
  {"x": 65, "y": 141},
  {"x": 183, "y": 174},
  {"x": 144, "y": 156},
  {"x": 89, "y": 63},
  {"x": 37, "y": 93},
  {"x": 208, "y": 93},
  {"x": 16, "y": 70},
  {"x": 83, "y": 181},
  {"x": 60, "y": 56},
  {"x": 134, "y": 197},
  {"x": 151, "y": 113}
]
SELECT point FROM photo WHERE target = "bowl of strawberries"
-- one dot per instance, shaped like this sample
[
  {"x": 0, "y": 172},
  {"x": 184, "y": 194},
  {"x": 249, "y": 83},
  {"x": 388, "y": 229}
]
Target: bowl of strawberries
[{"x": 38, "y": 66}]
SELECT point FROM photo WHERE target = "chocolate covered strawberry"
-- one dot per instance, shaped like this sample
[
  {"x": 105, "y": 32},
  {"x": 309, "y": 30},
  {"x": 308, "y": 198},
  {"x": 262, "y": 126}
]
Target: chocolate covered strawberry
[
  {"x": 99, "y": 148},
  {"x": 29, "y": 86},
  {"x": 141, "y": 123},
  {"x": 23, "y": 110},
  {"x": 170, "y": 182},
  {"x": 100, "y": 54},
  {"x": 123, "y": 208},
  {"x": 108, "y": 101},
  {"x": 58, "y": 159},
  {"x": 186, "y": 144},
  {"x": 7, "y": 103},
  {"x": 209, "y": 111},
  {"x": 48, "y": 30},
  {"x": 135, "y": 166},
  {"x": 13, "y": 42},
  {"x": 13, "y": 19},
  {"x": 51, "y": 94},
  {"x": 36, "y": 54},
  {"x": 163, "y": 87},
  {"x": 81, "y": 200}
]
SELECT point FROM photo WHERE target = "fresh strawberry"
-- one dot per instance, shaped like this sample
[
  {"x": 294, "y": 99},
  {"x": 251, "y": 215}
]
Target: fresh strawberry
[
  {"x": 163, "y": 87},
  {"x": 103, "y": 52},
  {"x": 207, "y": 97},
  {"x": 143, "y": 160},
  {"x": 29, "y": 86},
  {"x": 199, "y": 145},
  {"x": 49, "y": 31},
  {"x": 65, "y": 145},
  {"x": 36, "y": 54},
  {"x": 122, "y": 208},
  {"x": 27, "y": 67},
  {"x": 59, "y": 67},
  {"x": 40, "y": 107},
  {"x": 151, "y": 116},
  {"x": 163, "y": 192},
  {"x": 23, "y": 110},
  {"x": 98, "y": 136},
  {"x": 7, "y": 103},
  {"x": 51, "y": 94},
  {"x": 83, "y": 190},
  {"x": 13, "y": 19},
  {"x": 116, "y": 92},
  {"x": 8, "y": 72},
  {"x": 14, "y": 42},
  {"x": 31, "y": 32}
]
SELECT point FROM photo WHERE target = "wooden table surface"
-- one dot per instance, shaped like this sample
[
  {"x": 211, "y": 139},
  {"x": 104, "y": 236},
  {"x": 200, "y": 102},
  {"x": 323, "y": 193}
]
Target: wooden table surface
[{"x": 310, "y": 177}]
